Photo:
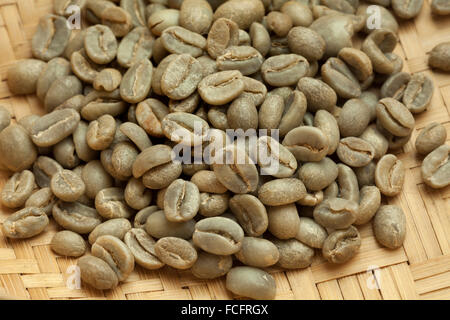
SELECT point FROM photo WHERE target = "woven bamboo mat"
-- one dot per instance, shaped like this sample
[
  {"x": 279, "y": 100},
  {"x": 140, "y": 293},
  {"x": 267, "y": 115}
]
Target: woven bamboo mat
[{"x": 418, "y": 270}]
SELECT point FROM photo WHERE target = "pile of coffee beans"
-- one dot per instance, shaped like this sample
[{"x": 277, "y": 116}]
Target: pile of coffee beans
[{"x": 123, "y": 93}]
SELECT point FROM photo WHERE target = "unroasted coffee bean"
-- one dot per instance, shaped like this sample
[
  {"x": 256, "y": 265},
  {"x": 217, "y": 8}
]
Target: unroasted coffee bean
[
  {"x": 159, "y": 227},
  {"x": 67, "y": 185},
  {"x": 299, "y": 12},
  {"x": 353, "y": 118},
  {"x": 95, "y": 178},
  {"x": 418, "y": 93},
  {"x": 284, "y": 69},
  {"x": 366, "y": 174},
  {"x": 44, "y": 168},
  {"x": 76, "y": 217},
  {"x": 97, "y": 273},
  {"x": 368, "y": 205},
  {"x": 61, "y": 90},
  {"x": 284, "y": 114},
  {"x": 358, "y": 62},
  {"x": 275, "y": 159},
  {"x": 211, "y": 266},
  {"x": 311, "y": 233},
  {"x": 180, "y": 40},
  {"x": 439, "y": 57},
  {"x": 378, "y": 141},
  {"x": 342, "y": 245},
  {"x": 136, "y": 134},
  {"x": 181, "y": 77},
  {"x": 283, "y": 221},
  {"x": 242, "y": 114},
  {"x": 24, "y": 75},
  {"x": 137, "y": 196},
  {"x": 246, "y": 59},
  {"x": 116, "y": 254},
  {"x": 108, "y": 80},
  {"x": 212, "y": 205},
  {"x": 142, "y": 246},
  {"x": 336, "y": 30},
  {"x": 206, "y": 181},
  {"x": 181, "y": 201},
  {"x": 250, "y": 213},
  {"x": 395, "y": 85},
  {"x": 65, "y": 153},
  {"x": 223, "y": 34},
  {"x": 406, "y": 9},
  {"x": 306, "y": 42},
  {"x": 244, "y": 13},
  {"x": 440, "y": 7},
  {"x": 101, "y": 132},
  {"x": 196, "y": 15},
  {"x": 83, "y": 67},
  {"x": 69, "y": 244},
  {"x": 235, "y": 176},
  {"x": 188, "y": 104},
  {"x": 306, "y": 143},
  {"x": 117, "y": 19},
  {"x": 141, "y": 217},
  {"x": 54, "y": 127},
  {"x": 355, "y": 152},
  {"x": 176, "y": 252},
  {"x": 110, "y": 204},
  {"x": 136, "y": 8},
  {"x": 257, "y": 252},
  {"x": 281, "y": 191},
  {"x": 98, "y": 103},
  {"x": 43, "y": 199},
  {"x": 336, "y": 213},
  {"x": 436, "y": 167},
  {"x": 254, "y": 90},
  {"x": 149, "y": 114},
  {"x": 100, "y": 44},
  {"x": 339, "y": 77},
  {"x": 348, "y": 183},
  {"x": 376, "y": 46},
  {"x": 293, "y": 254},
  {"x": 251, "y": 282},
  {"x": 136, "y": 82},
  {"x": 318, "y": 94},
  {"x": 395, "y": 117},
  {"x": 218, "y": 235},
  {"x": 430, "y": 138},
  {"x": 260, "y": 38},
  {"x": 17, "y": 151},
  {"x": 389, "y": 226},
  {"x": 183, "y": 127},
  {"x": 390, "y": 175},
  {"x": 51, "y": 37},
  {"x": 114, "y": 227},
  {"x": 328, "y": 124},
  {"x": 135, "y": 46},
  {"x": 17, "y": 189},
  {"x": 221, "y": 87},
  {"x": 122, "y": 158},
  {"x": 318, "y": 175},
  {"x": 152, "y": 164},
  {"x": 163, "y": 19},
  {"x": 25, "y": 223}
]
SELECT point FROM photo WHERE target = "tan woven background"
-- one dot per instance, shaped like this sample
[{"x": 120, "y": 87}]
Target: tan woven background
[{"x": 419, "y": 270}]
